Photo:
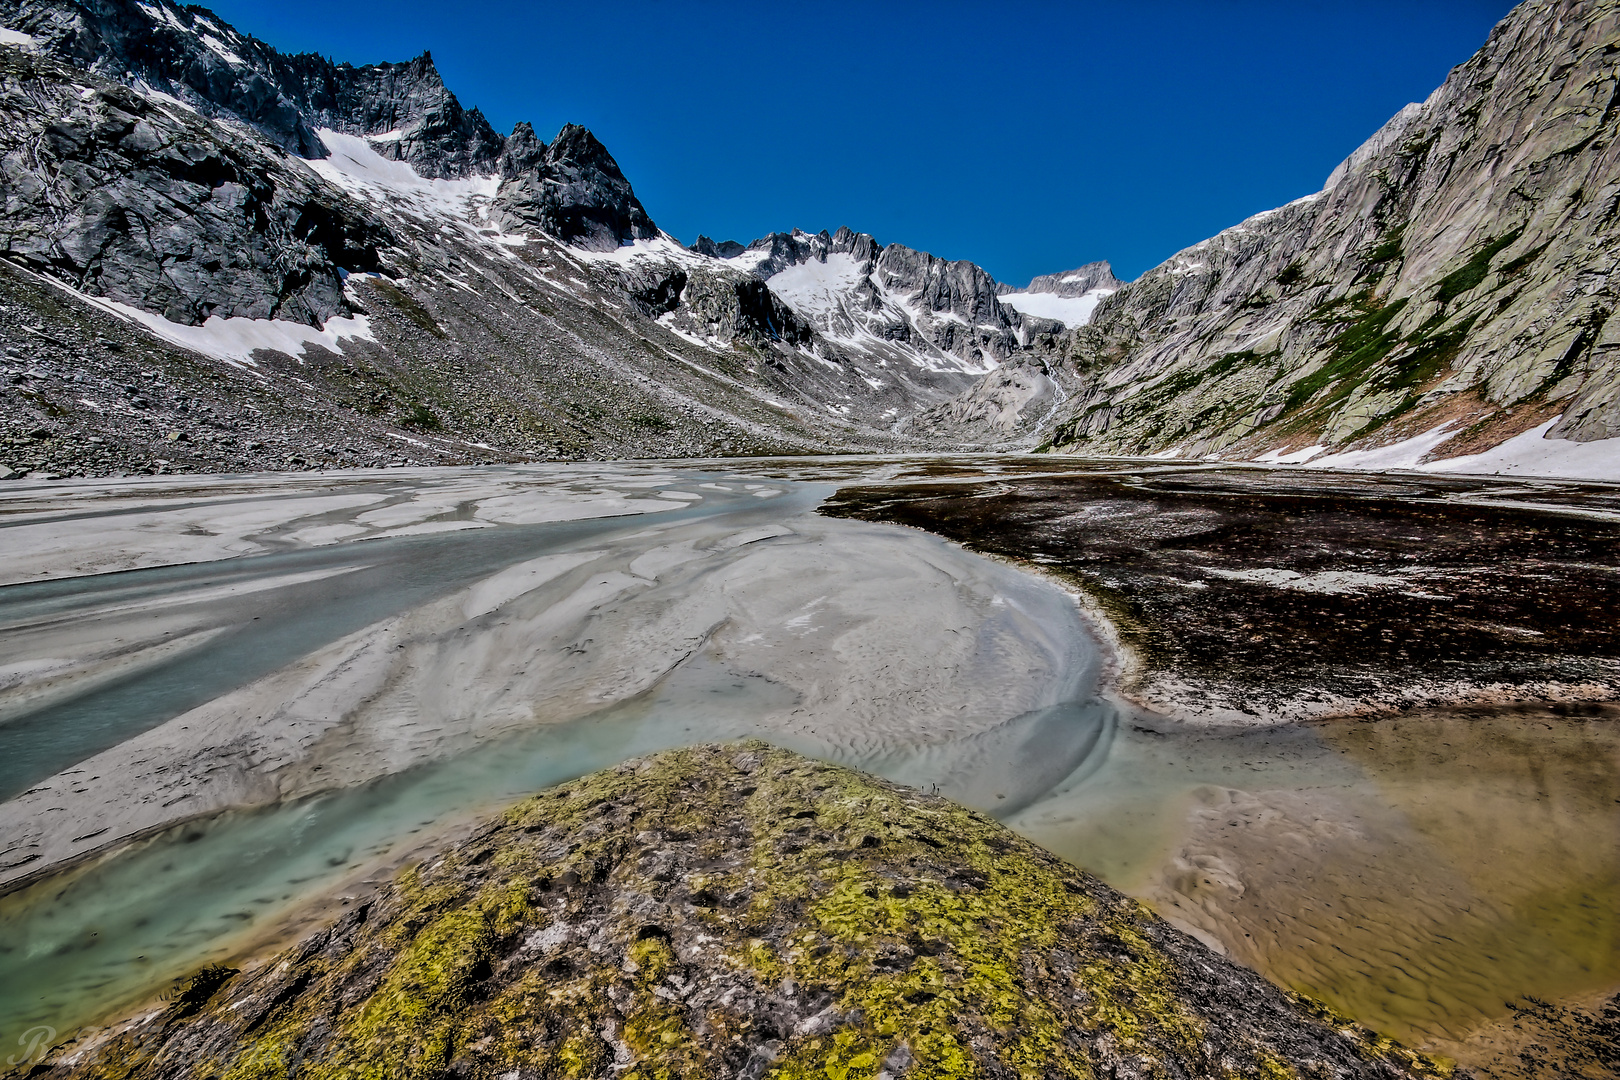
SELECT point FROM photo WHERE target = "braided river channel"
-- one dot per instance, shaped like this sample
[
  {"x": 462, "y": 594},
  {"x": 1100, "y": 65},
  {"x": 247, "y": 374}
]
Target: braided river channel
[{"x": 230, "y": 705}]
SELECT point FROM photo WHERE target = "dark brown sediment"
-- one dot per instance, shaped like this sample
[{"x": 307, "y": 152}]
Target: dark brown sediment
[{"x": 1283, "y": 595}]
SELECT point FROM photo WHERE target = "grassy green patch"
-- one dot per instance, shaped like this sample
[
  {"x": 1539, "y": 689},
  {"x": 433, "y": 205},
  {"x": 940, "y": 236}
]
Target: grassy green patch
[
  {"x": 1357, "y": 349},
  {"x": 1388, "y": 248},
  {"x": 1520, "y": 264},
  {"x": 421, "y": 417},
  {"x": 1474, "y": 270}
]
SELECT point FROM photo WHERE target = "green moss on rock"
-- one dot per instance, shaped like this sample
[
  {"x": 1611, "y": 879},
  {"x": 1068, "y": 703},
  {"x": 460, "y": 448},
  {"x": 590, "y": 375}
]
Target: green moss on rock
[
  {"x": 1471, "y": 273},
  {"x": 740, "y": 911}
]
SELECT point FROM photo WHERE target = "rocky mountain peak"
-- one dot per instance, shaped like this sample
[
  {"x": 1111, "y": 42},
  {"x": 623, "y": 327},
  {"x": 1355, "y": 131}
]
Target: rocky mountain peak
[
  {"x": 572, "y": 189},
  {"x": 424, "y": 124},
  {"x": 1073, "y": 283},
  {"x": 961, "y": 288},
  {"x": 185, "y": 52},
  {"x": 193, "y": 55},
  {"x": 137, "y": 201},
  {"x": 724, "y": 249},
  {"x": 523, "y": 152},
  {"x": 778, "y": 251}
]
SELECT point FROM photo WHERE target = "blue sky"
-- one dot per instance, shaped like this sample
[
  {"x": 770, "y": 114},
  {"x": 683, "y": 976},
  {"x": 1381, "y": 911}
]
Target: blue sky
[{"x": 1027, "y": 136}]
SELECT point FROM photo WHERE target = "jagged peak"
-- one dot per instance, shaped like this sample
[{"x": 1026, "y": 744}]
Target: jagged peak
[
  {"x": 724, "y": 249},
  {"x": 576, "y": 146},
  {"x": 1076, "y": 282}
]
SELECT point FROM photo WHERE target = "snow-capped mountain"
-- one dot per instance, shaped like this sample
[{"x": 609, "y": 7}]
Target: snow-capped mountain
[
  {"x": 387, "y": 271},
  {"x": 889, "y": 302},
  {"x": 1069, "y": 298}
]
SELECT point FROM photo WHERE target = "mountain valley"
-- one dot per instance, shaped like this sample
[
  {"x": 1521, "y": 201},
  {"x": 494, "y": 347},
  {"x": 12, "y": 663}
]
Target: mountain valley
[
  {"x": 224, "y": 258},
  {"x": 221, "y": 257}
]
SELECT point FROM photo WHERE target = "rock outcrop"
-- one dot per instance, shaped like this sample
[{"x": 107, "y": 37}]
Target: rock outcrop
[
  {"x": 740, "y": 911},
  {"x": 1076, "y": 282},
  {"x": 418, "y": 118},
  {"x": 572, "y": 189}
]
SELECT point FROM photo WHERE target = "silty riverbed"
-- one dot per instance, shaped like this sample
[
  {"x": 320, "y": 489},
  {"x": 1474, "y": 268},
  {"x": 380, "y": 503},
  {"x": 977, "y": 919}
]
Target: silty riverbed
[{"x": 230, "y": 703}]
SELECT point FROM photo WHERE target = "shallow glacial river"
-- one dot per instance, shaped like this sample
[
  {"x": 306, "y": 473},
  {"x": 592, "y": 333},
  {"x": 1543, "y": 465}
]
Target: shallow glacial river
[
  {"x": 221, "y": 701},
  {"x": 189, "y": 751}
]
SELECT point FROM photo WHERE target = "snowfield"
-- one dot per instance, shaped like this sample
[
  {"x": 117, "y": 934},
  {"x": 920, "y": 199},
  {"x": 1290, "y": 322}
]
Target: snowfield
[
  {"x": 1532, "y": 453},
  {"x": 1069, "y": 310}
]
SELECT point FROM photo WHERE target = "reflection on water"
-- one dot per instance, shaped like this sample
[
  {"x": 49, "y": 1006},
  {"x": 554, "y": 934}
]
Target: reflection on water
[{"x": 1416, "y": 872}]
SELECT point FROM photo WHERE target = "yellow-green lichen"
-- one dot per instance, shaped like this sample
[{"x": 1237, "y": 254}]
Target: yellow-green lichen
[{"x": 722, "y": 911}]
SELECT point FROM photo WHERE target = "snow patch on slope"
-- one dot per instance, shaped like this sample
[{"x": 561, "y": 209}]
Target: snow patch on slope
[
  {"x": 816, "y": 289},
  {"x": 662, "y": 248},
  {"x": 1406, "y": 454},
  {"x": 17, "y": 38},
  {"x": 1068, "y": 310},
  {"x": 233, "y": 341},
  {"x": 1534, "y": 454},
  {"x": 1283, "y": 456},
  {"x": 358, "y": 169},
  {"x": 1531, "y": 453}
]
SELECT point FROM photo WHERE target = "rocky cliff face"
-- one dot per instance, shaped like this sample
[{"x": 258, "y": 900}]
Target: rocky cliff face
[
  {"x": 418, "y": 119},
  {"x": 572, "y": 190},
  {"x": 737, "y": 912},
  {"x": 191, "y": 54},
  {"x": 126, "y": 197},
  {"x": 1455, "y": 275}
]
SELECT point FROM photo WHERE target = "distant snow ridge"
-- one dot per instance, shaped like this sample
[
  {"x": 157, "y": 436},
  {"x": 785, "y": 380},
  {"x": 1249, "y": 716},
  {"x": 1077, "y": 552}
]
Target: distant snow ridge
[
  {"x": 1071, "y": 311},
  {"x": 890, "y": 303},
  {"x": 1069, "y": 297}
]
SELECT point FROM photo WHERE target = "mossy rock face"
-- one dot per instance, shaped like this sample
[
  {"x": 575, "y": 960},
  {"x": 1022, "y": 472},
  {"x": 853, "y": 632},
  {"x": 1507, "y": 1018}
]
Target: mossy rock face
[{"x": 740, "y": 911}]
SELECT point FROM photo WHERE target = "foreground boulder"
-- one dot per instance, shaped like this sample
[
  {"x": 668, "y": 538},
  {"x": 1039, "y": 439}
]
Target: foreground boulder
[{"x": 740, "y": 911}]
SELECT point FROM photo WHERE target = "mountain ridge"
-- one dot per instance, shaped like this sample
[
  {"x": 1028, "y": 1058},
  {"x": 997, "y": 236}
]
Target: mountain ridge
[
  {"x": 1445, "y": 294},
  {"x": 493, "y": 297},
  {"x": 1447, "y": 291},
  {"x": 443, "y": 221}
]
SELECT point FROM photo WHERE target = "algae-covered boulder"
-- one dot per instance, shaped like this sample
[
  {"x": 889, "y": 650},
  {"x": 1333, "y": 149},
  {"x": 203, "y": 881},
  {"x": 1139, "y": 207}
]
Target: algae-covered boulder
[{"x": 740, "y": 911}]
